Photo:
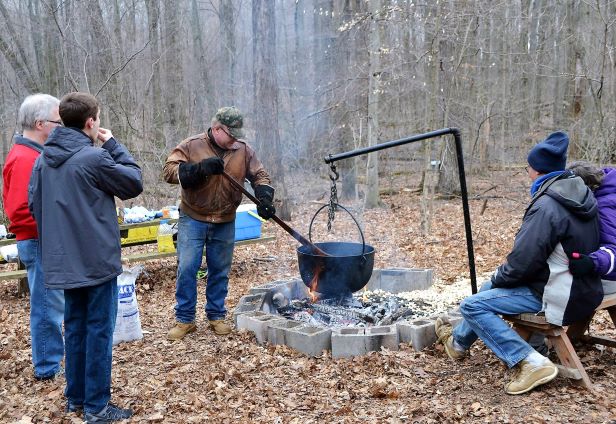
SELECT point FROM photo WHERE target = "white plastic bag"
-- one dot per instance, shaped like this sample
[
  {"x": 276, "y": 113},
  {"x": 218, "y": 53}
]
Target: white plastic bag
[
  {"x": 9, "y": 252},
  {"x": 128, "y": 324}
]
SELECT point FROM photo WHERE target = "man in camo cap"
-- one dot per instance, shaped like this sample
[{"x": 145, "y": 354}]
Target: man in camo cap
[
  {"x": 232, "y": 118},
  {"x": 207, "y": 213}
]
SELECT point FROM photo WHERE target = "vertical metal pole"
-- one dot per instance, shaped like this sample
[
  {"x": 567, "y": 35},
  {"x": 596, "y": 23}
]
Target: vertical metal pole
[{"x": 466, "y": 209}]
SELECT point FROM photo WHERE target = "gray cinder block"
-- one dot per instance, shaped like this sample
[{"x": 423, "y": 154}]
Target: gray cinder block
[
  {"x": 374, "y": 283},
  {"x": 284, "y": 291},
  {"x": 257, "y": 322},
  {"x": 398, "y": 280},
  {"x": 309, "y": 340},
  {"x": 419, "y": 333},
  {"x": 248, "y": 303},
  {"x": 386, "y": 336},
  {"x": 347, "y": 342},
  {"x": 263, "y": 288},
  {"x": 277, "y": 331}
]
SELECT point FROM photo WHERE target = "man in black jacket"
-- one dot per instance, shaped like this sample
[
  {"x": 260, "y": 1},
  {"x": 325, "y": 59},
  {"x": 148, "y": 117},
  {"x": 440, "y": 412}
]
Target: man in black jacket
[
  {"x": 71, "y": 197},
  {"x": 560, "y": 220}
]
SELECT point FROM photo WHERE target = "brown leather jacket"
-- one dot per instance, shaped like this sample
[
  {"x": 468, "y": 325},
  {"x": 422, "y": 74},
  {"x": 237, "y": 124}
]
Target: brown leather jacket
[{"x": 216, "y": 199}]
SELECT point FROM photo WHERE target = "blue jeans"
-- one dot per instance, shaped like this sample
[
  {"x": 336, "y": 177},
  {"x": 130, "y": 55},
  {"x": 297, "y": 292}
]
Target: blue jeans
[
  {"x": 219, "y": 241},
  {"x": 89, "y": 321},
  {"x": 481, "y": 319},
  {"x": 46, "y": 313}
]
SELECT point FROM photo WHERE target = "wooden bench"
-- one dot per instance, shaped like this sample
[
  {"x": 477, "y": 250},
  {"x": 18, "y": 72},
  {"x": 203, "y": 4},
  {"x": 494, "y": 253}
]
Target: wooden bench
[
  {"x": 20, "y": 273},
  {"x": 560, "y": 338}
]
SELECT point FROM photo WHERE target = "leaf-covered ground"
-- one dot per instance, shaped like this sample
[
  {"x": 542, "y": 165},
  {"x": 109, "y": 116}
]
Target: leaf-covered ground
[{"x": 233, "y": 379}]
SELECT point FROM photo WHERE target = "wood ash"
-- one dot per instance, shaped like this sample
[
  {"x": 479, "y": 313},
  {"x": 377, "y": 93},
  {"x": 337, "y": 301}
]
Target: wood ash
[{"x": 367, "y": 308}]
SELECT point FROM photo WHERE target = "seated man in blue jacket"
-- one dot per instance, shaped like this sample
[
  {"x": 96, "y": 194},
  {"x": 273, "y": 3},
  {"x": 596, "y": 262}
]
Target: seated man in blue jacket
[
  {"x": 71, "y": 197},
  {"x": 561, "y": 219}
]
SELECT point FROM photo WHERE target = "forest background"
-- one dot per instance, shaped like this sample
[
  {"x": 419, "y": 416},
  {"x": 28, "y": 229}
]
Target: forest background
[{"x": 315, "y": 77}]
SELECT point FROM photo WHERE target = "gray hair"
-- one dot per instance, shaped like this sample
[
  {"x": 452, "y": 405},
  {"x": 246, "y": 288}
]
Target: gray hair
[
  {"x": 591, "y": 174},
  {"x": 36, "y": 107}
]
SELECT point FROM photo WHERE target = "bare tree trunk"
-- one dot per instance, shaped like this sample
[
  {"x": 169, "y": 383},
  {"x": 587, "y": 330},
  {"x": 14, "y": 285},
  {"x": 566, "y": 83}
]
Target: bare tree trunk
[
  {"x": 428, "y": 179},
  {"x": 576, "y": 82},
  {"x": 266, "y": 91},
  {"x": 537, "y": 49},
  {"x": 14, "y": 53},
  {"x": 322, "y": 73},
  {"x": 558, "y": 120},
  {"x": 205, "y": 106},
  {"x": 155, "y": 131},
  {"x": 348, "y": 104},
  {"x": 227, "y": 19},
  {"x": 372, "y": 199},
  {"x": 175, "y": 124},
  {"x": 446, "y": 83}
]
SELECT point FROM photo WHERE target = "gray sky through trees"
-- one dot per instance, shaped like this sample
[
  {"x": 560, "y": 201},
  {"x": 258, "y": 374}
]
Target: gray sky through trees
[{"x": 505, "y": 73}]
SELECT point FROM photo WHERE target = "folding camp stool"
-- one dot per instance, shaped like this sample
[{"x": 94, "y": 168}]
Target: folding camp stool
[{"x": 560, "y": 338}]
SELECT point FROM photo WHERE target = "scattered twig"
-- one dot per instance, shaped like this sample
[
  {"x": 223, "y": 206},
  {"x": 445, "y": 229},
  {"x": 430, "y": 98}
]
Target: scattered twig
[{"x": 265, "y": 259}]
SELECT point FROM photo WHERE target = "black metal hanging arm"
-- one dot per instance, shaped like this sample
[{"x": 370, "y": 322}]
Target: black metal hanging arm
[{"x": 461, "y": 174}]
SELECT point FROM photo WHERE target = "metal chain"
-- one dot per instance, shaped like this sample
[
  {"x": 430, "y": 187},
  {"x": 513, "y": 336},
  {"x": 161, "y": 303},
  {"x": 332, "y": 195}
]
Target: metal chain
[{"x": 333, "y": 197}]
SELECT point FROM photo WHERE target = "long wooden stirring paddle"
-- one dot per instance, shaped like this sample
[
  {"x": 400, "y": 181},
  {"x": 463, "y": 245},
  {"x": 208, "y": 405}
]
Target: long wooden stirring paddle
[{"x": 297, "y": 236}]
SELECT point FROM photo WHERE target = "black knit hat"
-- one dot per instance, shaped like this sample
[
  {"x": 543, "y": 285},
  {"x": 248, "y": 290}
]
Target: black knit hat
[{"x": 551, "y": 154}]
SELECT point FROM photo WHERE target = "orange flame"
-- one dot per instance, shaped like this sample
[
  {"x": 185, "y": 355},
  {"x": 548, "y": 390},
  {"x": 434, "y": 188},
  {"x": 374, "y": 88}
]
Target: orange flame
[
  {"x": 314, "y": 283},
  {"x": 313, "y": 287}
]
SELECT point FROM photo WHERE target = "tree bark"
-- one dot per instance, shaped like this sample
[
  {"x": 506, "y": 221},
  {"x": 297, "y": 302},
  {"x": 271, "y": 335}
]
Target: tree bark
[
  {"x": 266, "y": 91},
  {"x": 155, "y": 130},
  {"x": 372, "y": 199},
  {"x": 227, "y": 29}
]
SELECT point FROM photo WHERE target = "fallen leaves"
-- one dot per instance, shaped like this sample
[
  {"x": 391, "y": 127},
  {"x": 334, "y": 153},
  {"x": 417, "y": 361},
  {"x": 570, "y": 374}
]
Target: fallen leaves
[
  {"x": 234, "y": 380},
  {"x": 157, "y": 417},
  {"x": 381, "y": 389}
]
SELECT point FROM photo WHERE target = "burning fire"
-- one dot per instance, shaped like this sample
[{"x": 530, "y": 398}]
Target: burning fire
[
  {"x": 313, "y": 287},
  {"x": 314, "y": 283}
]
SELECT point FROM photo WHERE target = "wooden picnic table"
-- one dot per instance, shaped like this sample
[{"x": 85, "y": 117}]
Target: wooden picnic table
[{"x": 20, "y": 273}]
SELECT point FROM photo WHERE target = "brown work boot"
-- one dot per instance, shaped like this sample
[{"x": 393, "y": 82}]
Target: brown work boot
[
  {"x": 220, "y": 327},
  {"x": 528, "y": 376},
  {"x": 444, "y": 332},
  {"x": 180, "y": 330}
]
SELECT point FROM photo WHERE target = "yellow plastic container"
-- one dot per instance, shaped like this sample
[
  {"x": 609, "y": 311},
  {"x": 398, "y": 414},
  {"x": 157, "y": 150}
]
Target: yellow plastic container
[
  {"x": 165, "y": 243},
  {"x": 142, "y": 234},
  {"x": 165, "y": 237}
]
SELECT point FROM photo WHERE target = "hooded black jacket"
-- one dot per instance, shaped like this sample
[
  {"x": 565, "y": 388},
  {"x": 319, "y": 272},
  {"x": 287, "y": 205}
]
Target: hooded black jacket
[
  {"x": 560, "y": 220},
  {"x": 71, "y": 198}
]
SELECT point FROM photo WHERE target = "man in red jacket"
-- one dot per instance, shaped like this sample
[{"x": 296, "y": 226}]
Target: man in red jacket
[{"x": 38, "y": 117}]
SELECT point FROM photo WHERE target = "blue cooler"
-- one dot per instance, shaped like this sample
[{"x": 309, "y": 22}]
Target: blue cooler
[{"x": 247, "y": 222}]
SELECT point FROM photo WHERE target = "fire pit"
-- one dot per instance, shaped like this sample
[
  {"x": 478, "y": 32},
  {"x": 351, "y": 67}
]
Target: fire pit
[{"x": 396, "y": 306}]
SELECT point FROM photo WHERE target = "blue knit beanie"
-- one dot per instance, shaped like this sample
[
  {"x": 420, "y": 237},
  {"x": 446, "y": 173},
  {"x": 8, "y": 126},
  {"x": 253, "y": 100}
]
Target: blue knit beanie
[{"x": 551, "y": 154}]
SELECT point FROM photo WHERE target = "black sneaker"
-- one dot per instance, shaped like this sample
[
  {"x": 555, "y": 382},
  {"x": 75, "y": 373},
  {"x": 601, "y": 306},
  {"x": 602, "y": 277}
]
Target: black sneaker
[{"x": 108, "y": 414}]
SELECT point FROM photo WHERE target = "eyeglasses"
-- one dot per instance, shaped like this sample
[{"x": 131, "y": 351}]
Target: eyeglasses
[
  {"x": 53, "y": 122},
  {"x": 227, "y": 132},
  {"x": 526, "y": 168}
]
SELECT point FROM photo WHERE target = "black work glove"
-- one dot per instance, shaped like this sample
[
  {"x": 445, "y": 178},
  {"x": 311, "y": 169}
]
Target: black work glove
[
  {"x": 580, "y": 265},
  {"x": 211, "y": 166},
  {"x": 192, "y": 174},
  {"x": 265, "y": 196}
]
